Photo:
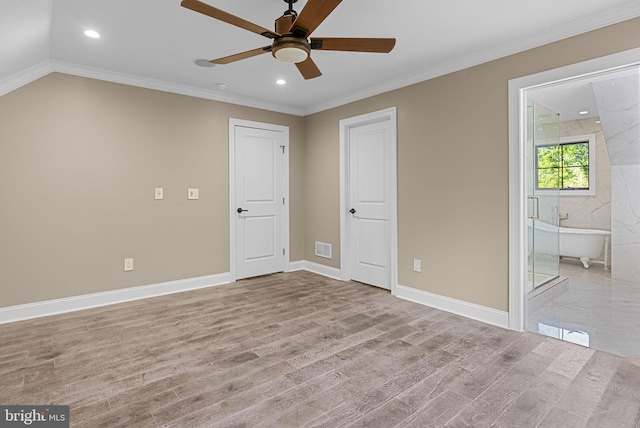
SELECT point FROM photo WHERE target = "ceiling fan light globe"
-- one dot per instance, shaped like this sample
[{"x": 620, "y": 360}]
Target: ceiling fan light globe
[
  {"x": 293, "y": 54},
  {"x": 290, "y": 49}
]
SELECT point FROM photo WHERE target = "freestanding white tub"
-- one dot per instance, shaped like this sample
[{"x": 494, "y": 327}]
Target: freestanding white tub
[{"x": 584, "y": 244}]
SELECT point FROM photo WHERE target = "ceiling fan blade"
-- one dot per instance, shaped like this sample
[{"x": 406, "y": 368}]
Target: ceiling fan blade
[
  {"x": 353, "y": 44},
  {"x": 308, "y": 69},
  {"x": 241, "y": 55},
  {"x": 221, "y": 15},
  {"x": 312, "y": 15}
]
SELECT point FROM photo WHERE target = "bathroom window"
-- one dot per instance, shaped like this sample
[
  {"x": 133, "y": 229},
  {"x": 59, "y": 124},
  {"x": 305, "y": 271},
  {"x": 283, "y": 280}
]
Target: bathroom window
[{"x": 568, "y": 167}]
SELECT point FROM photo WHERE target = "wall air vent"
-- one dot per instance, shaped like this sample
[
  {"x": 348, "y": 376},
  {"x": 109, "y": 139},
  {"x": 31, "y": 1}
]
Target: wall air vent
[{"x": 323, "y": 250}]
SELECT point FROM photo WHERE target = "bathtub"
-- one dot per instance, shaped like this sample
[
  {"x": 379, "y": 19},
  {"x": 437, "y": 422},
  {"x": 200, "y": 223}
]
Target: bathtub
[{"x": 584, "y": 244}]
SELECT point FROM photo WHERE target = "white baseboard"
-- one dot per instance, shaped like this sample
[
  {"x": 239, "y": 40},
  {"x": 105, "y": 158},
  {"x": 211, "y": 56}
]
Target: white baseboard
[
  {"x": 87, "y": 301},
  {"x": 323, "y": 270},
  {"x": 458, "y": 307},
  {"x": 297, "y": 265}
]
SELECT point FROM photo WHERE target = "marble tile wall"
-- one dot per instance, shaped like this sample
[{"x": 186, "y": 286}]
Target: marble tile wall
[
  {"x": 619, "y": 107},
  {"x": 618, "y": 102},
  {"x": 625, "y": 225}
]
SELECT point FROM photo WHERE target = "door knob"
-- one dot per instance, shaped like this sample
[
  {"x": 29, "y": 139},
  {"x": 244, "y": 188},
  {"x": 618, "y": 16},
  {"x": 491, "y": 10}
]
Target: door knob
[
  {"x": 352, "y": 211},
  {"x": 240, "y": 210}
]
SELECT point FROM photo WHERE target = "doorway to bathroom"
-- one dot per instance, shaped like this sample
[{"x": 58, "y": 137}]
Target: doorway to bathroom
[{"x": 593, "y": 153}]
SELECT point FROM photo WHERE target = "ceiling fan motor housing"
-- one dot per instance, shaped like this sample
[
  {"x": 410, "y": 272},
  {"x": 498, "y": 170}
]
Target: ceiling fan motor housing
[
  {"x": 289, "y": 47},
  {"x": 284, "y": 23}
]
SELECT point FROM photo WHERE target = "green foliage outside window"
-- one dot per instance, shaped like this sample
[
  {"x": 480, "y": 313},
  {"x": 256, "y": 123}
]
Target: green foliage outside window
[{"x": 563, "y": 167}]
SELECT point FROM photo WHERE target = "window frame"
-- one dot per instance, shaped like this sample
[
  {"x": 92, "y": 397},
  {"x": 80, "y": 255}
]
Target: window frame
[{"x": 574, "y": 139}]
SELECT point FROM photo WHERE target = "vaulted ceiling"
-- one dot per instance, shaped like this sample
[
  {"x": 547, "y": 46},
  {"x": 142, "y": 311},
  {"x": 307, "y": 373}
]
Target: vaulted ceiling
[{"x": 154, "y": 43}]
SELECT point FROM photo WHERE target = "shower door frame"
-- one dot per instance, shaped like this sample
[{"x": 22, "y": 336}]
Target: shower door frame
[
  {"x": 549, "y": 130},
  {"x": 518, "y": 266}
]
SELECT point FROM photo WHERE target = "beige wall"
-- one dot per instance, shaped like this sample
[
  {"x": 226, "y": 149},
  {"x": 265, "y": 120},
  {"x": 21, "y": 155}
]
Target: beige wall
[
  {"x": 79, "y": 161},
  {"x": 452, "y": 168}
]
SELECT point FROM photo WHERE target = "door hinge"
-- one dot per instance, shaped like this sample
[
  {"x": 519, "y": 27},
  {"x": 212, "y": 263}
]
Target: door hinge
[
  {"x": 282, "y": 147},
  {"x": 282, "y": 201},
  {"x": 283, "y": 251}
]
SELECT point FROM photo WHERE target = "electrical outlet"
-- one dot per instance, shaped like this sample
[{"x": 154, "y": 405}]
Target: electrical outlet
[
  {"x": 159, "y": 193},
  {"x": 417, "y": 265},
  {"x": 193, "y": 194},
  {"x": 128, "y": 264}
]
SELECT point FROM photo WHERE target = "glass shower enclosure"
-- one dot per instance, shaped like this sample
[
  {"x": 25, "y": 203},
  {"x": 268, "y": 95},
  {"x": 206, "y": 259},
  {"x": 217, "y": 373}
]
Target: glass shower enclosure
[{"x": 543, "y": 237}]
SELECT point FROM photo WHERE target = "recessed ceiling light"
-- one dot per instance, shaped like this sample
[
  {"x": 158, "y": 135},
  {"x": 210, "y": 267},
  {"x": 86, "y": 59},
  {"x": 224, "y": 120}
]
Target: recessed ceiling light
[
  {"x": 204, "y": 63},
  {"x": 583, "y": 112},
  {"x": 281, "y": 82},
  {"x": 598, "y": 121},
  {"x": 93, "y": 34},
  {"x": 222, "y": 86}
]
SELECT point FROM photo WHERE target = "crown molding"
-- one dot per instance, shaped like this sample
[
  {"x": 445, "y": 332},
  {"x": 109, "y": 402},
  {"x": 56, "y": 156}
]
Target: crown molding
[
  {"x": 580, "y": 26},
  {"x": 160, "y": 85},
  {"x": 24, "y": 77},
  {"x": 40, "y": 70}
]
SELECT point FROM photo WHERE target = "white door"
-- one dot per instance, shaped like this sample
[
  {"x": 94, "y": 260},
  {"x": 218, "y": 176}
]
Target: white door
[
  {"x": 370, "y": 195},
  {"x": 259, "y": 181}
]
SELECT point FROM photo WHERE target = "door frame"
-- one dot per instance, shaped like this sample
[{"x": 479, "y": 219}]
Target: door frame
[
  {"x": 517, "y": 168},
  {"x": 233, "y": 123},
  {"x": 388, "y": 114}
]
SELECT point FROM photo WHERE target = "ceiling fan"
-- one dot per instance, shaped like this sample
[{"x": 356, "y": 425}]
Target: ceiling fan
[{"x": 291, "y": 42}]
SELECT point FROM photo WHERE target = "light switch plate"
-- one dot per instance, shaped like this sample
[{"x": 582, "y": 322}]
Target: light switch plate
[
  {"x": 128, "y": 264},
  {"x": 193, "y": 194},
  {"x": 159, "y": 193},
  {"x": 417, "y": 265}
]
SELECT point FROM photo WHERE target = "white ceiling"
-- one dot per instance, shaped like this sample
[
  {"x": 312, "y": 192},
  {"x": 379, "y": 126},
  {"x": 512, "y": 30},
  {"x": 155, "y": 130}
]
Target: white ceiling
[
  {"x": 154, "y": 43},
  {"x": 570, "y": 98}
]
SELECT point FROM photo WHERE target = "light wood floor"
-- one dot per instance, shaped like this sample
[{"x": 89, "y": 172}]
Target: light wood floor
[{"x": 297, "y": 349}]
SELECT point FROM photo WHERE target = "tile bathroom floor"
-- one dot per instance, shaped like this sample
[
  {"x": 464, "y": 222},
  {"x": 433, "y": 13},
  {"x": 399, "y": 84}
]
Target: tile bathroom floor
[{"x": 593, "y": 310}]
